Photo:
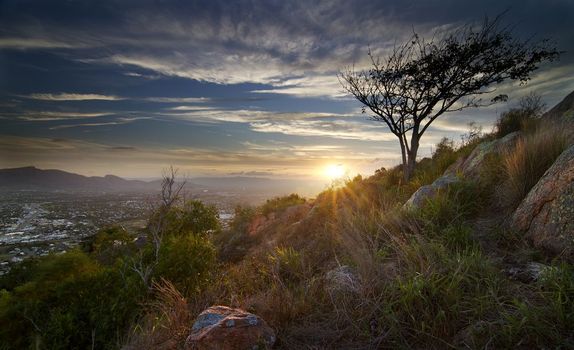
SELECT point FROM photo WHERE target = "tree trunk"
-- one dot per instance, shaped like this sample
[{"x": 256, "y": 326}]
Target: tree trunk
[
  {"x": 412, "y": 158},
  {"x": 404, "y": 158}
]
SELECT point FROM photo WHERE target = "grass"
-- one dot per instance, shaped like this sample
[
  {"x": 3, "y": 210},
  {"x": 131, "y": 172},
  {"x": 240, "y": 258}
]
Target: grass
[
  {"x": 423, "y": 278},
  {"x": 533, "y": 154}
]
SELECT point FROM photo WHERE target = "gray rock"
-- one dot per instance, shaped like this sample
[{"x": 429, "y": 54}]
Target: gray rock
[
  {"x": 424, "y": 193},
  {"x": 546, "y": 215},
  {"x": 471, "y": 166},
  {"x": 225, "y": 328}
]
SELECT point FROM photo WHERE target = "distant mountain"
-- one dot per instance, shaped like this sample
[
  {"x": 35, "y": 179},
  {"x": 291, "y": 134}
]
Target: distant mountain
[{"x": 32, "y": 178}]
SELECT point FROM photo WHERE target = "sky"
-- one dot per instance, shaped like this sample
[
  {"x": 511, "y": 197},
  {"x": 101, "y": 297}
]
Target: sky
[{"x": 222, "y": 88}]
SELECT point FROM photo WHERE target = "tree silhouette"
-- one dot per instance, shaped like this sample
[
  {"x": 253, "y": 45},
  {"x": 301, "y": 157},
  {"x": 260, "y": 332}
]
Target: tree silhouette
[{"x": 422, "y": 79}]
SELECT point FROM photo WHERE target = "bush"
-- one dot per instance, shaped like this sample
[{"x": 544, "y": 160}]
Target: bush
[
  {"x": 191, "y": 217},
  {"x": 279, "y": 204},
  {"x": 288, "y": 265},
  {"x": 69, "y": 301},
  {"x": 110, "y": 244},
  {"x": 186, "y": 261},
  {"x": 525, "y": 117},
  {"x": 233, "y": 243}
]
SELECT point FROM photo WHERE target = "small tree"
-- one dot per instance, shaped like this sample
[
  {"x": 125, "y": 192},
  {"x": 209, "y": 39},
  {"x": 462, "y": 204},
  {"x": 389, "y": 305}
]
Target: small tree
[
  {"x": 169, "y": 195},
  {"x": 422, "y": 79}
]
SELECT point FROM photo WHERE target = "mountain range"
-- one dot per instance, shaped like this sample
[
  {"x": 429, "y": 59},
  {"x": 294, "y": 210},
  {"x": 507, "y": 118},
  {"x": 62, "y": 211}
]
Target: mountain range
[{"x": 32, "y": 178}]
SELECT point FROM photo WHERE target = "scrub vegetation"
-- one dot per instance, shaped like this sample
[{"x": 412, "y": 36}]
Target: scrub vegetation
[{"x": 430, "y": 277}]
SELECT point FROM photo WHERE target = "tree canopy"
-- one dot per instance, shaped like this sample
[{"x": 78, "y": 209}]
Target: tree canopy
[{"x": 422, "y": 78}]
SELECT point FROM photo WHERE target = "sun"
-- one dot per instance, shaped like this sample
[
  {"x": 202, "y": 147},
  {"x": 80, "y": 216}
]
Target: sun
[{"x": 335, "y": 171}]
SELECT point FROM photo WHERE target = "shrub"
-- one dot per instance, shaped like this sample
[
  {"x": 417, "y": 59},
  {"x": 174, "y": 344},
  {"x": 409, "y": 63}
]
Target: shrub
[
  {"x": 186, "y": 261},
  {"x": 526, "y": 163},
  {"x": 279, "y": 204},
  {"x": 69, "y": 301},
  {"x": 191, "y": 217},
  {"x": 288, "y": 265},
  {"x": 109, "y": 244},
  {"x": 525, "y": 117},
  {"x": 234, "y": 242}
]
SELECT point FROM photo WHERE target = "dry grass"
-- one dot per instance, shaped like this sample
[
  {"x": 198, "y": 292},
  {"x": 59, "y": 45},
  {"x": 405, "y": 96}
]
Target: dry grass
[
  {"x": 532, "y": 156},
  {"x": 423, "y": 281},
  {"x": 167, "y": 322}
]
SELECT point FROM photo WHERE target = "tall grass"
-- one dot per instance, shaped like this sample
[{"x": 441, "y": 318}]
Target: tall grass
[
  {"x": 167, "y": 323},
  {"x": 533, "y": 154}
]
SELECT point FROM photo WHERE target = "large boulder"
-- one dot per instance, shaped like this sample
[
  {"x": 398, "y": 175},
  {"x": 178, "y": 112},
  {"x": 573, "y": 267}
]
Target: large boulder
[
  {"x": 424, "y": 193},
  {"x": 470, "y": 167},
  {"x": 546, "y": 215},
  {"x": 225, "y": 328}
]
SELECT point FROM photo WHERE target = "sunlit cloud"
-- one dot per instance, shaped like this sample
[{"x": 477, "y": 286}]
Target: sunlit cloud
[{"x": 191, "y": 108}]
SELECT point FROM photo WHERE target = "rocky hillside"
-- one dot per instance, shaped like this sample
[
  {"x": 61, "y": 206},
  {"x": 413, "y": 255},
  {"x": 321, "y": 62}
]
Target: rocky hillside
[
  {"x": 475, "y": 251},
  {"x": 481, "y": 256}
]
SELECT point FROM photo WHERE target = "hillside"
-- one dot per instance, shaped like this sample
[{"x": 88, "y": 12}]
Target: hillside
[
  {"x": 475, "y": 251},
  {"x": 28, "y": 178}
]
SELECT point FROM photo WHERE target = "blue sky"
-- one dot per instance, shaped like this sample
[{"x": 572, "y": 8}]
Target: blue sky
[{"x": 227, "y": 87}]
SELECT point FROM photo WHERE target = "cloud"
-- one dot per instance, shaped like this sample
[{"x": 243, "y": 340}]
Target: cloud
[
  {"x": 33, "y": 43},
  {"x": 326, "y": 85},
  {"x": 252, "y": 173},
  {"x": 72, "y": 97},
  {"x": 337, "y": 129},
  {"x": 177, "y": 99},
  {"x": 119, "y": 121},
  {"x": 191, "y": 108},
  {"x": 49, "y": 116}
]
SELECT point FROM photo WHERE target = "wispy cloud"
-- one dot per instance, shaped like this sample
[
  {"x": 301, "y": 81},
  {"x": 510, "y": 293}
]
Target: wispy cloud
[
  {"x": 48, "y": 116},
  {"x": 119, "y": 121},
  {"x": 33, "y": 43},
  {"x": 72, "y": 97},
  {"x": 177, "y": 99}
]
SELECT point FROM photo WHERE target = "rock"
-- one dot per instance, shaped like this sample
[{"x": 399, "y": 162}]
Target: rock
[
  {"x": 342, "y": 279},
  {"x": 546, "y": 215},
  {"x": 468, "y": 168},
  {"x": 563, "y": 111},
  {"x": 424, "y": 193},
  {"x": 471, "y": 166},
  {"x": 225, "y": 328},
  {"x": 528, "y": 273}
]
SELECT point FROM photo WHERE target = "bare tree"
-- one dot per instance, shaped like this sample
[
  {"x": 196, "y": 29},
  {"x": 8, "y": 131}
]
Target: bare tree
[
  {"x": 170, "y": 192},
  {"x": 422, "y": 79}
]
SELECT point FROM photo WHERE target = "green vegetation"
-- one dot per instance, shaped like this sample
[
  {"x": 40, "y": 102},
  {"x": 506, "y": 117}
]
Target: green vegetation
[
  {"x": 92, "y": 298},
  {"x": 433, "y": 277},
  {"x": 278, "y": 204}
]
